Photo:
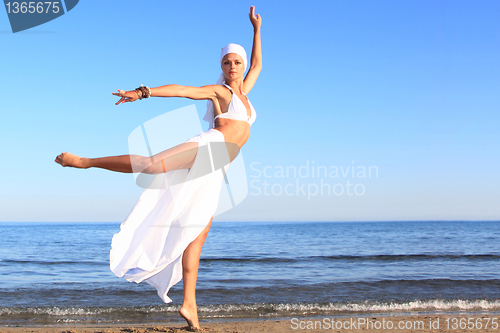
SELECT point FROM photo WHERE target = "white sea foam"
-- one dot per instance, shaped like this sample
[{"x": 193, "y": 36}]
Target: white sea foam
[{"x": 259, "y": 310}]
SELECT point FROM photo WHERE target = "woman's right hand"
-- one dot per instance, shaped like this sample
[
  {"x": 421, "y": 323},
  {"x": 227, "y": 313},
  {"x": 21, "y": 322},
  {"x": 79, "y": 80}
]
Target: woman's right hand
[{"x": 126, "y": 96}]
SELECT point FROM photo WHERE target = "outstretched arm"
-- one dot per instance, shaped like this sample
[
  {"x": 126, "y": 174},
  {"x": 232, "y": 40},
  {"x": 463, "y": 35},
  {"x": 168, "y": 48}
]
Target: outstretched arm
[
  {"x": 256, "y": 59},
  {"x": 211, "y": 92},
  {"x": 175, "y": 90}
]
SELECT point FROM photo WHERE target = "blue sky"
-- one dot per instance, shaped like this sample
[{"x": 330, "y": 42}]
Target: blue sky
[{"x": 409, "y": 88}]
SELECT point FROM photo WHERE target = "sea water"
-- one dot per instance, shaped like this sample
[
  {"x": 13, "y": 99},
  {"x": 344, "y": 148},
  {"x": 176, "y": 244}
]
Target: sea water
[{"x": 59, "y": 272}]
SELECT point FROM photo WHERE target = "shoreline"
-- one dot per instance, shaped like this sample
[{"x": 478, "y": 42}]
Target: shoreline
[{"x": 367, "y": 322}]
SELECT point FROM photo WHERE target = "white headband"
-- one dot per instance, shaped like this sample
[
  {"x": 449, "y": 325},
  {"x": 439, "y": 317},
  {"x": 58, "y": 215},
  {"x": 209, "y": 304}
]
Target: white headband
[
  {"x": 229, "y": 48},
  {"x": 234, "y": 48}
]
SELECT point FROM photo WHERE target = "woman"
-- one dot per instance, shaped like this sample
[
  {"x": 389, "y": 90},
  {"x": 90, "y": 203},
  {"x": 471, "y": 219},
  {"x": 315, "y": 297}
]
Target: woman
[{"x": 161, "y": 256}]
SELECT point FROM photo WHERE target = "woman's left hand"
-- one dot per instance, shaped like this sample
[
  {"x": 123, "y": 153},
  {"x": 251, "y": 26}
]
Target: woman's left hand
[{"x": 256, "y": 20}]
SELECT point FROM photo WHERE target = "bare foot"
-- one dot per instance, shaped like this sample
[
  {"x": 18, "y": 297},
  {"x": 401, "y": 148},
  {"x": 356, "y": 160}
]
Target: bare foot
[
  {"x": 71, "y": 160},
  {"x": 190, "y": 313}
]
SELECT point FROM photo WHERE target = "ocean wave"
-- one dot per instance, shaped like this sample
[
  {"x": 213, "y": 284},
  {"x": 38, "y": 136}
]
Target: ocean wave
[
  {"x": 379, "y": 257},
  {"x": 43, "y": 262},
  {"x": 261, "y": 309},
  {"x": 264, "y": 260}
]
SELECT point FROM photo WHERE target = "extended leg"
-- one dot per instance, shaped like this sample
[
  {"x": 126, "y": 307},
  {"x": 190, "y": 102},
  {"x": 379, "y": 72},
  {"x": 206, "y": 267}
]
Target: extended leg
[
  {"x": 190, "y": 264},
  {"x": 178, "y": 157}
]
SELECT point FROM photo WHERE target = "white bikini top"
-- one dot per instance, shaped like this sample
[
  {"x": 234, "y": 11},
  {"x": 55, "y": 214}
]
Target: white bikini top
[{"x": 237, "y": 109}]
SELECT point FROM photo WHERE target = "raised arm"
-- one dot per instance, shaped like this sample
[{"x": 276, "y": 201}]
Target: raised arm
[{"x": 256, "y": 59}]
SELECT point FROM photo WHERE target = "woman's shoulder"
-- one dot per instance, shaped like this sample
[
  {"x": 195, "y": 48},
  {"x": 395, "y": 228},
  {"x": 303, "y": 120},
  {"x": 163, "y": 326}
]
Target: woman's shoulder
[{"x": 221, "y": 91}]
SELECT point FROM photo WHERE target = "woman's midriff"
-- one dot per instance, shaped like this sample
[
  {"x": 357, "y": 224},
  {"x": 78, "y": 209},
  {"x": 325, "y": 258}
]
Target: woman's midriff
[{"x": 236, "y": 132}]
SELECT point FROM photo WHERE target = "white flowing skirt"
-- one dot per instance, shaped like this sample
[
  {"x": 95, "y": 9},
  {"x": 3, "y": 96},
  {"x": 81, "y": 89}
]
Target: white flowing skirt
[{"x": 168, "y": 216}]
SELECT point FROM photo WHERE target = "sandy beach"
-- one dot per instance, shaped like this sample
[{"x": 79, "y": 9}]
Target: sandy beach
[{"x": 374, "y": 323}]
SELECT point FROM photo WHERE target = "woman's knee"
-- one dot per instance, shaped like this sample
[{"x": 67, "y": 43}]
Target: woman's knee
[
  {"x": 148, "y": 166},
  {"x": 139, "y": 163}
]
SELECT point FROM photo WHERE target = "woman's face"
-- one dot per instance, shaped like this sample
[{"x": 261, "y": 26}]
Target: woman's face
[{"x": 232, "y": 66}]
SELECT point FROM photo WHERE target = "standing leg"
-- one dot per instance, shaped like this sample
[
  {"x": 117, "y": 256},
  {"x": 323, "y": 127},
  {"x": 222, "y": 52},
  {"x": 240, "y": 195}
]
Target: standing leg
[{"x": 190, "y": 264}]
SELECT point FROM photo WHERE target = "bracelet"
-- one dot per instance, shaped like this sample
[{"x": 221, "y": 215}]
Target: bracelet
[
  {"x": 146, "y": 91},
  {"x": 143, "y": 92},
  {"x": 139, "y": 93}
]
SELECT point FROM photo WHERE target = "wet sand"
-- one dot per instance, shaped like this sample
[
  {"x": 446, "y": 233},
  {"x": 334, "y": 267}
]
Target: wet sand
[{"x": 373, "y": 323}]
